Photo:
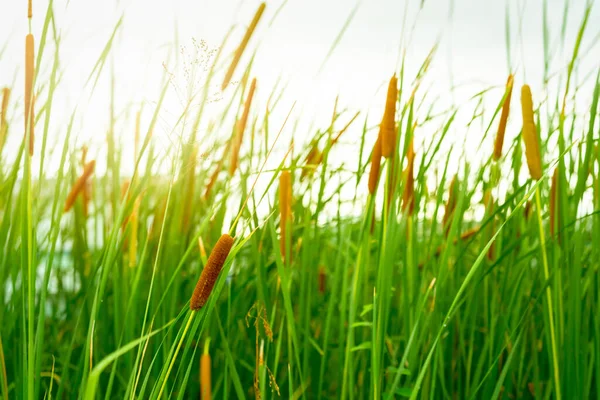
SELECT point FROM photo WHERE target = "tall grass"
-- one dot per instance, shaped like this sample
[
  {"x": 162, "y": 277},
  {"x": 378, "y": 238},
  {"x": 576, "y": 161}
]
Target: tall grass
[{"x": 473, "y": 282}]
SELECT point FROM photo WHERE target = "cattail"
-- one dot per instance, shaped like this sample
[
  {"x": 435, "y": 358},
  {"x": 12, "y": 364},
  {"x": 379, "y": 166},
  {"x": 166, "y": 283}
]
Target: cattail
[
  {"x": 553, "y": 194},
  {"x": 503, "y": 119},
  {"x": 285, "y": 207},
  {"x": 205, "y": 381},
  {"x": 211, "y": 271},
  {"x": 79, "y": 185},
  {"x": 408, "y": 197},
  {"x": 313, "y": 159},
  {"x": 322, "y": 279},
  {"x": 3, "y": 125},
  {"x": 29, "y": 72},
  {"x": 159, "y": 214},
  {"x": 239, "y": 130},
  {"x": 388, "y": 123},
  {"x": 240, "y": 50},
  {"x": 532, "y": 146},
  {"x": 450, "y": 206},
  {"x": 30, "y": 9},
  {"x": 527, "y": 210},
  {"x": 375, "y": 166}
]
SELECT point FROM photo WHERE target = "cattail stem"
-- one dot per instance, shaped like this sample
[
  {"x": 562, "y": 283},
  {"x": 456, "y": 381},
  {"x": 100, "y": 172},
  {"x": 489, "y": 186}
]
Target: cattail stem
[
  {"x": 79, "y": 185},
  {"x": 240, "y": 50},
  {"x": 29, "y": 100},
  {"x": 211, "y": 272},
  {"x": 553, "y": 344},
  {"x": 530, "y": 137}
]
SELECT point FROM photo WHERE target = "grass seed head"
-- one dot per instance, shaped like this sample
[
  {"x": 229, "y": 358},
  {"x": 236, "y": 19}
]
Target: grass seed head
[{"x": 211, "y": 272}]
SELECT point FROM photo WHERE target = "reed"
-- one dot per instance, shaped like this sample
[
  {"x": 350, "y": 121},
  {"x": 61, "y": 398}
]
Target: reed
[
  {"x": 29, "y": 98},
  {"x": 532, "y": 146},
  {"x": 388, "y": 123},
  {"x": 79, "y": 185},
  {"x": 240, "y": 50},
  {"x": 240, "y": 127},
  {"x": 211, "y": 272},
  {"x": 285, "y": 208},
  {"x": 375, "y": 166},
  {"x": 503, "y": 118}
]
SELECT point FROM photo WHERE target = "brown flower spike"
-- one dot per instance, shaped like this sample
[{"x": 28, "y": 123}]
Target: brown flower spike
[{"x": 211, "y": 272}]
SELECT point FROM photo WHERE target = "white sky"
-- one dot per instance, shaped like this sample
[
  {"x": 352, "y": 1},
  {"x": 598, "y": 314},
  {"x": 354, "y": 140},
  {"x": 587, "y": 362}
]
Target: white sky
[{"x": 472, "y": 56}]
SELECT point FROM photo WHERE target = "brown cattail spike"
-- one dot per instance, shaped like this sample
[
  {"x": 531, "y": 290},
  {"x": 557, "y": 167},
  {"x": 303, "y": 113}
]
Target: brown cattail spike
[
  {"x": 503, "y": 119},
  {"x": 553, "y": 205},
  {"x": 375, "y": 166},
  {"x": 313, "y": 159},
  {"x": 532, "y": 146},
  {"x": 239, "y": 130},
  {"x": 79, "y": 185},
  {"x": 29, "y": 72},
  {"x": 388, "y": 123},
  {"x": 29, "y": 9},
  {"x": 240, "y": 50},
  {"x": 408, "y": 197},
  {"x": 211, "y": 272},
  {"x": 3, "y": 109},
  {"x": 285, "y": 207},
  {"x": 205, "y": 380}
]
